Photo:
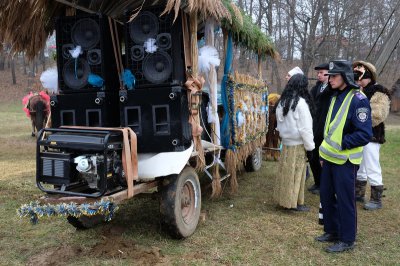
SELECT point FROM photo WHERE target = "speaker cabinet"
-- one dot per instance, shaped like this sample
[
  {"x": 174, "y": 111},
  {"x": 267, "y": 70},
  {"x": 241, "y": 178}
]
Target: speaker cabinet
[
  {"x": 164, "y": 66},
  {"x": 95, "y": 109},
  {"x": 92, "y": 33},
  {"x": 159, "y": 117}
]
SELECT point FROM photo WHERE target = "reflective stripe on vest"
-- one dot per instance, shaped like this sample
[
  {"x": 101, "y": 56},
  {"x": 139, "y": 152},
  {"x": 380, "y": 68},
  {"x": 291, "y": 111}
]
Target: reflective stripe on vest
[{"x": 331, "y": 147}]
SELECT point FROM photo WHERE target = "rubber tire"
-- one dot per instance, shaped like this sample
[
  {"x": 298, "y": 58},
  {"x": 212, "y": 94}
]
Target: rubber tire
[
  {"x": 85, "y": 222},
  {"x": 172, "y": 219},
  {"x": 254, "y": 161}
]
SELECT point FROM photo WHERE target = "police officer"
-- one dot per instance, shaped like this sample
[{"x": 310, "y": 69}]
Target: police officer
[{"x": 347, "y": 129}]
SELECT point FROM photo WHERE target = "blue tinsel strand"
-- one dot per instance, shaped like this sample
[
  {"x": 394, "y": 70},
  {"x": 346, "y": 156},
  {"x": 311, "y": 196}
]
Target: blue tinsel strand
[{"x": 34, "y": 210}]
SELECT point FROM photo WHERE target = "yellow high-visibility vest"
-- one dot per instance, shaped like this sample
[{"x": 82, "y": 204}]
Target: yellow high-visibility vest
[{"x": 331, "y": 147}]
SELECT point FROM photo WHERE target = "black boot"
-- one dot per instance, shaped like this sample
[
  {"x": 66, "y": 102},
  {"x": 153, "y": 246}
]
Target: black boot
[
  {"x": 360, "y": 190},
  {"x": 327, "y": 237},
  {"x": 340, "y": 247},
  {"x": 376, "y": 199}
]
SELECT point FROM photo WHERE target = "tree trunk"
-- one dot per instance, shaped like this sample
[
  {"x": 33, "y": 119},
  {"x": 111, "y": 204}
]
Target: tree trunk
[
  {"x": 275, "y": 71},
  {"x": 14, "y": 78},
  {"x": 24, "y": 63},
  {"x": 43, "y": 60},
  {"x": 2, "y": 61}
]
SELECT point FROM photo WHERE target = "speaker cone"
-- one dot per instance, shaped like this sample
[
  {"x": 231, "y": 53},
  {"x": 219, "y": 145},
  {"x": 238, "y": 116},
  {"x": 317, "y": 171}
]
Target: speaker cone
[
  {"x": 76, "y": 73},
  {"x": 137, "y": 52},
  {"x": 164, "y": 41},
  {"x": 65, "y": 50},
  {"x": 94, "y": 56},
  {"x": 86, "y": 33},
  {"x": 157, "y": 67},
  {"x": 143, "y": 27}
]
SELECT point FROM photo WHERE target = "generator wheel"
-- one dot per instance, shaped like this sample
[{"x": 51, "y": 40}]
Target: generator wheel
[
  {"x": 253, "y": 162},
  {"x": 85, "y": 222},
  {"x": 181, "y": 203}
]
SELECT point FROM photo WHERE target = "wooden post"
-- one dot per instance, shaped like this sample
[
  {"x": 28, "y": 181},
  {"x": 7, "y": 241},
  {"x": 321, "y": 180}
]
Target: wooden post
[
  {"x": 388, "y": 48},
  {"x": 259, "y": 65},
  {"x": 193, "y": 43}
]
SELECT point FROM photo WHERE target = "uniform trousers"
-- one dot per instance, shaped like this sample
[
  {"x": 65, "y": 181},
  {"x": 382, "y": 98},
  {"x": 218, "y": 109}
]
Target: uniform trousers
[{"x": 337, "y": 194}]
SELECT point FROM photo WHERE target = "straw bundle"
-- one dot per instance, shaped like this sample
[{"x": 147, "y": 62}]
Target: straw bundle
[{"x": 205, "y": 8}]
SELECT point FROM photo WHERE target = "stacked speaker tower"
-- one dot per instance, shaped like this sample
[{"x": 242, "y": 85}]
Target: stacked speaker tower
[
  {"x": 81, "y": 102},
  {"x": 157, "y": 110}
]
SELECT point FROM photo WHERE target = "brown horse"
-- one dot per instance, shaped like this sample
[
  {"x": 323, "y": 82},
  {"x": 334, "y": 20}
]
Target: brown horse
[
  {"x": 37, "y": 108},
  {"x": 271, "y": 147}
]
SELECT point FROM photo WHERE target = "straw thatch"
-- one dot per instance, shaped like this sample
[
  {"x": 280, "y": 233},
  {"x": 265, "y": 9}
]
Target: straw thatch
[
  {"x": 248, "y": 34},
  {"x": 26, "y": 24},
  {"x": 205, "y": 8}
]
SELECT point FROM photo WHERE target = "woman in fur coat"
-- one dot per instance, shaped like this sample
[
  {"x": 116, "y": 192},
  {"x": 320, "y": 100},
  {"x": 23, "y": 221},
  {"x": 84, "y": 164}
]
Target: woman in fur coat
[
  {"x": 370, "y": 169},
  {"x": 294, "y": 123}
]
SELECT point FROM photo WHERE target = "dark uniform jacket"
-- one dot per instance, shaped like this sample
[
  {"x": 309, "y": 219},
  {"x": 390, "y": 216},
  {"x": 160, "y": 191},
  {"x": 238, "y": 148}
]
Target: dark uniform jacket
[
  {"x": 378, "y": 102},
  {"x": 357, "y": 129},
  {"x": 322, "y": 98}
]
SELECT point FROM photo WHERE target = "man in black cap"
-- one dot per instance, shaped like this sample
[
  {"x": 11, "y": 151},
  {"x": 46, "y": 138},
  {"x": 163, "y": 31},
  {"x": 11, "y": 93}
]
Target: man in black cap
[
  {"x": 321, "y": 94},
  {"x": 347, "y": 129}
]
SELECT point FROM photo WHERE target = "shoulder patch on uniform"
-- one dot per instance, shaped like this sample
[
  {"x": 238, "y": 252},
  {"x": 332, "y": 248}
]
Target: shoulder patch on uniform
[
  {"x": 360, "y": 95},
  {"x": 362, "y": 114}
]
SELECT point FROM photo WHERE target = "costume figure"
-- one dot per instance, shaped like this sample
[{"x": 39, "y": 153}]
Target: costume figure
[
  {"x": 294, "y": 123},
  {"x": 370, "y": 168}
]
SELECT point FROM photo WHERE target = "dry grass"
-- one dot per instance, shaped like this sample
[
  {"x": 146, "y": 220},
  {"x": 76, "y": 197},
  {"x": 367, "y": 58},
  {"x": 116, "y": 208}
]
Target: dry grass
[{"x": 244, "y": 229}]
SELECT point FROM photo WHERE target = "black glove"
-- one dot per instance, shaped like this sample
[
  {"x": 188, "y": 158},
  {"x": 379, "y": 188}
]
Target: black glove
[{"x": 309, "y": 155}]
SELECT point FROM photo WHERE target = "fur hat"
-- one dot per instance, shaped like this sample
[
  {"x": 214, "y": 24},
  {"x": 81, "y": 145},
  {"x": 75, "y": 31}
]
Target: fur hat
[
  {"x": 343, "y": 68},
  {"x": 366, "y": 69},
  {"x": 295, "y": 71}
]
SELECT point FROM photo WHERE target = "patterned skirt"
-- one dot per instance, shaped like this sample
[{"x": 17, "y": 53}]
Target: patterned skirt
[{"x": 290, "y": 180}]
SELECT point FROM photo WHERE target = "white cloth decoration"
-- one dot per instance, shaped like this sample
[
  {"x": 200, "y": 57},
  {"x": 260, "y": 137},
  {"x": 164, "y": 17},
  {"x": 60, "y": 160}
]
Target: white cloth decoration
[
  {"x": 49, "y": 79},
  {"x": 150, "y": 45},
  {"x": 240, "y": 119},
  {"x": 212, "y": 115},
  {"x": 208, "y": 56},
  {"x": 152, "y": 165},
  {"x": 295, "y": 71},
  {"x": 76, "y": 51},
  {"x": 244, "y": 105}
]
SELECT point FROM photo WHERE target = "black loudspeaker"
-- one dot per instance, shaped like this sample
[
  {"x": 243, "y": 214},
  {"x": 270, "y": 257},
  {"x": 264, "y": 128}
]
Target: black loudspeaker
[
  {"x": 94, "y": 109},
  {"x": 165, "y": 66},
  {"x": 159, "y": 116},
  {"x": 92, "y": 33}
]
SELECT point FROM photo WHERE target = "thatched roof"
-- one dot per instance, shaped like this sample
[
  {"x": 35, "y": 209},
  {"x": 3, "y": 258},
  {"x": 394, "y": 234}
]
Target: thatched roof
[{"x": 26, "y": 24}]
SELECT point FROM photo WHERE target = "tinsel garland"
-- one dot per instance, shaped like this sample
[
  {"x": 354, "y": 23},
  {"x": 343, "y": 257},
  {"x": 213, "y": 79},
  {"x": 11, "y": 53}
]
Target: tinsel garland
[
  {"x": 240, "y": 148},
  {"x": 34, "y": 210}
]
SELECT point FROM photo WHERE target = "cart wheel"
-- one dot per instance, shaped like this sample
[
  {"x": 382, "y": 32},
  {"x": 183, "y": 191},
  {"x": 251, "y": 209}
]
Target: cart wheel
[
  {"x": 181, "y": 203},
  {"x": 253, "y": 162},
  {"x": 85, "y": 222}
]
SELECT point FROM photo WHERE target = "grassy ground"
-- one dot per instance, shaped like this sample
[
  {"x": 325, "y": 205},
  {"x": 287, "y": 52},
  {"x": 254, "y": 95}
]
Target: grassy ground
[{"x": 241, "y": 229}]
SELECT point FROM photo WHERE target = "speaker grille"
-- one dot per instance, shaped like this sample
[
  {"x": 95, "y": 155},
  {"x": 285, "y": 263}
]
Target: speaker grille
[
  {"x": 157, "y": 67},
  {"x": 164, "y": 67},
  {"x": 92, "y": 33},
  {"x": 86, "y": 33},
  {"x": 143, "y": 27},
  {"x": 76, "y": 73}
]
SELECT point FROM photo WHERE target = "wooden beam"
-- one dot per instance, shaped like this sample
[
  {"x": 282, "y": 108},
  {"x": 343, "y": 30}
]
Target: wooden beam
[
  {"x": 388, "y": 48},
  {"x": 74, "y": 5},
  {"x": 117, "y": 197}
]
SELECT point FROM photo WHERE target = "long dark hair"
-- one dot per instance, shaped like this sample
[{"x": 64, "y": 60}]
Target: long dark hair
[{"x": 296, "y": 87}]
